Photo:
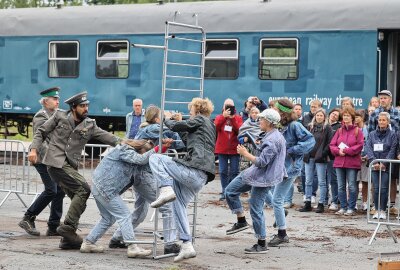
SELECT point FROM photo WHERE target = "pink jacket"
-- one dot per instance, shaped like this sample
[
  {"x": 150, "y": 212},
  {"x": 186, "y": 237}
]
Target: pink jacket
[{"x": 354, "y": 140}]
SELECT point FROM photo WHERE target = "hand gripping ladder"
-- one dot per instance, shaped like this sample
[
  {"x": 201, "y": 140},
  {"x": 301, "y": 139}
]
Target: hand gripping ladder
[{"x": 182, "y": 80}]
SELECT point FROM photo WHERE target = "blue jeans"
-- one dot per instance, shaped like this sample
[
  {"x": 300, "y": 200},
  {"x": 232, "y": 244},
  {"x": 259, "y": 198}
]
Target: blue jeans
[
  {"x": 280, "y": 192},
  {"x": 347, "y": 176},
  {"x": 332, "y": 181},
  {"x": 380, "y": 189},
  {"x": 257, "y": 197},
  {"x": 145, "y": 193},
  {"x": 310, "y": 169},
  {"x": 52, "y": 194},
  {"x": 289, "y": 196},
  {"x": 185, "y": 181},
  {"x": 228, "y": 170},
  {"x": 111, "y": 211},
  {"x": 268, "y": 196}
]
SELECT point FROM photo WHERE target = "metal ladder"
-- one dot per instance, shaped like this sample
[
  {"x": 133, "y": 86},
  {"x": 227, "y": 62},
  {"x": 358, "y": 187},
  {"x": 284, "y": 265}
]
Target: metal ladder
[{"x": 182, "y": 80}]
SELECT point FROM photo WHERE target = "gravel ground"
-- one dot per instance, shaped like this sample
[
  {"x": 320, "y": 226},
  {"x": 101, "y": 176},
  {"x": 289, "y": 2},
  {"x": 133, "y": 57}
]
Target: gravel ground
[{"x": 317, "y": 241}]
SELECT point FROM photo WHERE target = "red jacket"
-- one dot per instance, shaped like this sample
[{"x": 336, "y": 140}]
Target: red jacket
[
  {"x": 227, "y": 141},
  {"x": 354, "y": 140}
]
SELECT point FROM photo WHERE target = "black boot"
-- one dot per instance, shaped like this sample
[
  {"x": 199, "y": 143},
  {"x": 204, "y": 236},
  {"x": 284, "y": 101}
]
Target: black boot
[
  {"x": 28, "y": 224},
  {"x": 65, "y": 244},
  {"x": 68, "y": 232},
  {"x": 320, "y": 208},
  {"x": 307, "y": 207},
  {"x": 52, "y": 231}
]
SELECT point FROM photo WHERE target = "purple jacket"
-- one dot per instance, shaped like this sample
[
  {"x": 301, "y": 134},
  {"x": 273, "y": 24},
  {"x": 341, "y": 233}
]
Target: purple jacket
[{"x": 354, "y": 140}]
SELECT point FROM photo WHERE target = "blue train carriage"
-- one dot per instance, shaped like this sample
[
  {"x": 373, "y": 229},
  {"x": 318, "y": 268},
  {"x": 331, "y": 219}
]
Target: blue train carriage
[{"x": 300, "y": 49}]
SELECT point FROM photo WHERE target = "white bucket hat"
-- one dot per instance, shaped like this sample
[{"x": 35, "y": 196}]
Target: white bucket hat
[{"x": 270, "y": 115}]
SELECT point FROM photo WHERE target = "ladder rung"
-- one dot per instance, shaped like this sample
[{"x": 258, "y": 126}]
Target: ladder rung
[
  {"x": 177, "y": 102},
  {"x": 186, "y": 39},
  {"x": 183, "y": 64},
  {"x": 186, "y": 25},
  {"x": 183, "y": 90},
  {"x": 189, "y": 52},
  {"x": 183, "y": 77},
  {"x": 139, "y": 242}
]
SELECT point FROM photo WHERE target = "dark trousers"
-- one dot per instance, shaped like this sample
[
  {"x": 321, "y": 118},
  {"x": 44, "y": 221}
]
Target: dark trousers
[
  {"x": 76, "y": 188},
  {"x": 228, "y": 169},
  {"x": 380, "y": 189},
  {"x": 52, "y": 194}
]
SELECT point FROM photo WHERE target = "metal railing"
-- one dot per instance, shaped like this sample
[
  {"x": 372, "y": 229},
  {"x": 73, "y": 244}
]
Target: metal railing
[
  {"x": 14, "y": 169},
  {"x": 384, "y": 178}
]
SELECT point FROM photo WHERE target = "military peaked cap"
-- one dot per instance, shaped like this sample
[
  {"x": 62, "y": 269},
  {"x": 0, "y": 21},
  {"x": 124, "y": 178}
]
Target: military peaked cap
[
  {"x": 51, "y": 92},
  {"x": 80, "y": 98}
]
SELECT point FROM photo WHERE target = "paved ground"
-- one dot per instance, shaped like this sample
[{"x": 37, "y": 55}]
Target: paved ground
[{"x": 317, "y": 241}]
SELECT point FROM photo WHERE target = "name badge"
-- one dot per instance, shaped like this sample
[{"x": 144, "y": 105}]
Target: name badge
[
  {"x": 378, "y": 147},
  {"x": 228, "y": 128}
]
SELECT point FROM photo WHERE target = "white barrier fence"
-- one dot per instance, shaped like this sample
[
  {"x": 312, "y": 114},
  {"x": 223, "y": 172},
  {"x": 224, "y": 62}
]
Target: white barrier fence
[
  {"x": 13, "y": 174},
  {"x": 18, "y": 176},
  {"x": 379, "y": 189}
]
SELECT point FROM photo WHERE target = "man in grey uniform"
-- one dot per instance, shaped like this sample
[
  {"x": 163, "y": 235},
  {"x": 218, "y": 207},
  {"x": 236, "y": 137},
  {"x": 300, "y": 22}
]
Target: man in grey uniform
[
  {"x": 69, "y": 131},
  {"x": 52, "y": 192}
]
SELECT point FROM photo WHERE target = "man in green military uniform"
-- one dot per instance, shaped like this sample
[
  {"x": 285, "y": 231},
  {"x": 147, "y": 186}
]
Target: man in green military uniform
[
  {"x": 52, "y": 192},
  {"x": 69, "y": 131}
]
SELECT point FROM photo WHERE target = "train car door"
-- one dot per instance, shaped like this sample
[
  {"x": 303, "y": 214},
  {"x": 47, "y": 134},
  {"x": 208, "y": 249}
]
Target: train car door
[{"x": 388, "y": 62}]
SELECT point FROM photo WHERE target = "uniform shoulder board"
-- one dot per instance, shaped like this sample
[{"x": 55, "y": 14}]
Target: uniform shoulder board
[
  {"x": 90, "y": 120},
  {"x": 61, "y": 110}
]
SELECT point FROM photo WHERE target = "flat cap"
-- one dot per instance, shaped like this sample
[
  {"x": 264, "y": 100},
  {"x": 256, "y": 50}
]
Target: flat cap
[
  {"x": 270, "y": 115},
  {"x": 51, "y": 92},
  {"x": 385, "y": 92},
  {"x": 77, "y": 99}
]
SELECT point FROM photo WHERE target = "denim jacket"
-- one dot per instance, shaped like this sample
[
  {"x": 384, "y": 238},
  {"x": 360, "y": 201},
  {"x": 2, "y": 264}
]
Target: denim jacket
[
  {"x": 114, "y": 172},
  {"x": 269, "y": 167},
  {"x": 299, "y": 141},
  {"x": 153, "y": 132},
  {"x": 128, "y": 122}
]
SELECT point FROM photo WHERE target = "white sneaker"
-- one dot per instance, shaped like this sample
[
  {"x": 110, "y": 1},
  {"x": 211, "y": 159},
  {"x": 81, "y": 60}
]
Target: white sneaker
[
  {"x": 134, "y": 251},
  {"x": 187, "y": 251},
  {"x": 88, "y": 247},
  {"x": 382, "y": 214},
  {"x": 356, "y": 207},
  {"x": 341, "y": 212},
  {"x": 287, "y": 205},
  {"x": 365, "y": 206},
  {"x": 376, "y": 215},
  {"x": 350, "y": 212},
  {"x": 313, "y": 199},
  {"x": 167, "y": 195},
  {"x": 333, "y": 206}
]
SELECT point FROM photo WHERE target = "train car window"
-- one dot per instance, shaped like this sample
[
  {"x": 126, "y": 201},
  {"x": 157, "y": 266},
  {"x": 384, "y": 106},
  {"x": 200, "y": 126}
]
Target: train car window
[
  {"x": 278, "y": 59},
  {"x": 112, "y": 59},
  {"x": 222, "y": 59},
  {"x": 63, "y": 59}
]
